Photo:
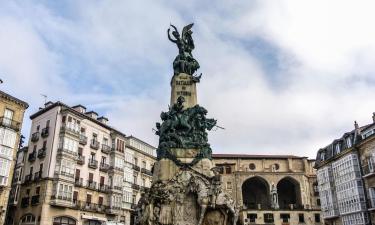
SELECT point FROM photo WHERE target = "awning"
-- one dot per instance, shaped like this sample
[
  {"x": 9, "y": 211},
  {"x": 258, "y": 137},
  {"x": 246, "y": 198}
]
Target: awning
[{"x": 87, "y": 217}]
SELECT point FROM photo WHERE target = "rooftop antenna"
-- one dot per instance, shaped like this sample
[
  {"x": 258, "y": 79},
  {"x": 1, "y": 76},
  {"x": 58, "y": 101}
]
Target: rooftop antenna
[{"x": 45, "y": 98}]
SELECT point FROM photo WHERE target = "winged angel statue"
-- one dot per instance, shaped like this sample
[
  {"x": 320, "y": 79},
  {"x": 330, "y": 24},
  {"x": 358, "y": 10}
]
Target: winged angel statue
[{"x": 184, "y": 61}]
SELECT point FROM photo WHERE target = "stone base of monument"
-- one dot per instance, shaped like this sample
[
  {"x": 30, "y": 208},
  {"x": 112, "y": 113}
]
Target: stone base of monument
[{"x": 186, "y": 196}]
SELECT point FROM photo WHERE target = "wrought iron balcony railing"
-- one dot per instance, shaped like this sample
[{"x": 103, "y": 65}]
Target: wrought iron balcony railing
[
  {"x": 45, "y": 132},
  {"x": 94, "y": 144},
  {"x": 12, "y": 124},
  {"x": 35, "y": 136},
  {"x": 93, "y": 163},
  {"x": 106, "y": 148},
  {"x": 42, "y": 153}
]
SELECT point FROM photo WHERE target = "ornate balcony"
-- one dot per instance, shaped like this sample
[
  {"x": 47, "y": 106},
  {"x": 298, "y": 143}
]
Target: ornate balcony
[
  {"x": 94, "y": 144},
  {"x": 106, "y": 149},
  {"x": 45, "y": 132},
  {"x": 28, "y": 178},
  {"x": 35, "y": 136},
  {"x": 37, "y": 176},
  {"x": 80, "y": 159},
  {"x": 78, "y": 182},
  {"x": 103, "y": 188},
  {"x": 146, "y": 171},
  {"x": 93, "y": 164},
  {"x": 42, "y": 153},
  {"x": 70, "y": 130},
  {"x": 35, "y": 200},
  {"x": 62, "y": 201},
  {"x": 91, "y": 185},
  {"x": 136, "y": 186},
  {"x": 104, "y": 167},
  {"x": 64, "y": 175},
  {"x": 67, "y": 153},
  {"x": 32, "y": 156},
  {"x": 113, "y": 210},
  {"x": 25, "y": 202},
  {"x": 12, "y": 124},
  {"x": 136, "y": 168},
  {"x": 82, "y": 139}
]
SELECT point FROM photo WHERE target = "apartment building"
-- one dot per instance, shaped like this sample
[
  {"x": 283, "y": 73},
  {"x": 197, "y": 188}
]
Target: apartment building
[
  {"x": 75, "y": 171},
  {"x": 271, "y": 189},
  {"x": 346, "y": 177},
  {"x": 11, "y": 116}
]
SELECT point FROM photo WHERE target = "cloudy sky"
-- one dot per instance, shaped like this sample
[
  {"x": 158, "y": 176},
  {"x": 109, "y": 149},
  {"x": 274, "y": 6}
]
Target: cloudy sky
[{"x": 282, "y": 77}]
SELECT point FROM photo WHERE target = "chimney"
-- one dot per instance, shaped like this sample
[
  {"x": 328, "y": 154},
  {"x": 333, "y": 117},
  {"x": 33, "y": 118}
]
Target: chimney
[
  {"x": 92, "y": 114},
  {"x": 79, "y": 108},
  {"x": 373, "y": 117},
  {"x": 48, "y": 104},
  {"x": 103, "y": 119}
]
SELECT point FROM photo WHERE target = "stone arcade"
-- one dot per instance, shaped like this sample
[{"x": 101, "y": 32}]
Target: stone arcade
[{"x": 186, "y": 187}]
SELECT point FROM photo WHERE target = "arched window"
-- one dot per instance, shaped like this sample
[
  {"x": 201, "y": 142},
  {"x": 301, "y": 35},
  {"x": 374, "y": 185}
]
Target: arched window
[
  {"x": 255, "y": 193},
  {"x": 93, "y": 222},
  {"x": 63, "y": 220},
  {"x": 28, "y": 219},
  {"x": 289, "y": 193}
]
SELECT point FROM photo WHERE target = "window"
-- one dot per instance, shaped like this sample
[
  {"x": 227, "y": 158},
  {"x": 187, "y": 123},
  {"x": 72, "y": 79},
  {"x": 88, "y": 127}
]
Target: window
[
  {"x": 252, "y": 217},
  {"x": 135, "y": 161},
  {"x": 348, "y": 142},
  {"x": 68, "y": 144},
  {"x": 62, "y": 220},
  {"x": 67, "y": 167},
  {"x": 65, "y": 191},
  {"x": 37, "y": 190},
  {"x": 8, "y": 114},
  {"x": 301, "y": 218},
  {"x": 284, "y": 217},
  {"x": 143, "y": 182},
  {"x": 28, "y": 219},
  {"x": 7, "y": 138},
  {"x": 338, "y": 148},
  {"x": 105, "y": 141},
  {"x": 135, "y": 178},
  {"x": 38, "y": 128},
  {"x": 252, "y": 166},
  {"x": 44, "y": 144},
  {"x": 228, "y": 169},
  {"x": 103, "y": 160},
  {"x": 268, "y": 218},
  {"x": 322, "y": 156},
  {"x": 229, "y": 185},
  {"x": 47, "y": 123},
  {"x": 318, "y": 201},
  {"x": 88, "y": 198},
  {"x": 317, "y": 217},
  {"x": 144, "y": 164},
  {"x": 4, "y": 171},
  {"x": 100, "y": 200}
]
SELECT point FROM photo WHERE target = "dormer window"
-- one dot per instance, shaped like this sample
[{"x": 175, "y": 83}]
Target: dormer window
[
  {"x": 337, "y": 148},
  {"x": 348, "y": 142},
  {"x": 322, "y": 156}
]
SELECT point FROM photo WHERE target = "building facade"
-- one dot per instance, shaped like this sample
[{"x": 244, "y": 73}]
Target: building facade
[
  {"x": 77, "y": 170},
  {"x": 345, "y": 170},
  {"x": 11, "y": 116},
  {"x": 271, "y": 189}
]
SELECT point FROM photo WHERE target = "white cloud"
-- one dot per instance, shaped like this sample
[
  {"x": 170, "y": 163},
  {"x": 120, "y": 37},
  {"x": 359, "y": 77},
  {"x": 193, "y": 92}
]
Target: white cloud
[{"x": 114, "y": 57}]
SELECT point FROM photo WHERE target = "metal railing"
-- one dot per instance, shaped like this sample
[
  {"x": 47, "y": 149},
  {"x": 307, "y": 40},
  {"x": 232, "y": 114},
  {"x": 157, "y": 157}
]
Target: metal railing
[{"x": 6, "y": 122}]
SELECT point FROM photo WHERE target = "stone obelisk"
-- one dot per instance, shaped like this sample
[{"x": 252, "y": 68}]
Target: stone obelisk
[{"x": 186, "y": 188}]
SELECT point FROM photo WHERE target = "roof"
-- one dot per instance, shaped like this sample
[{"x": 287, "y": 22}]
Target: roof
[
  {"x": 58, "y": 103},
  {"x": 12, "y": 98},
  {"x": 246, "y": 156}
]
